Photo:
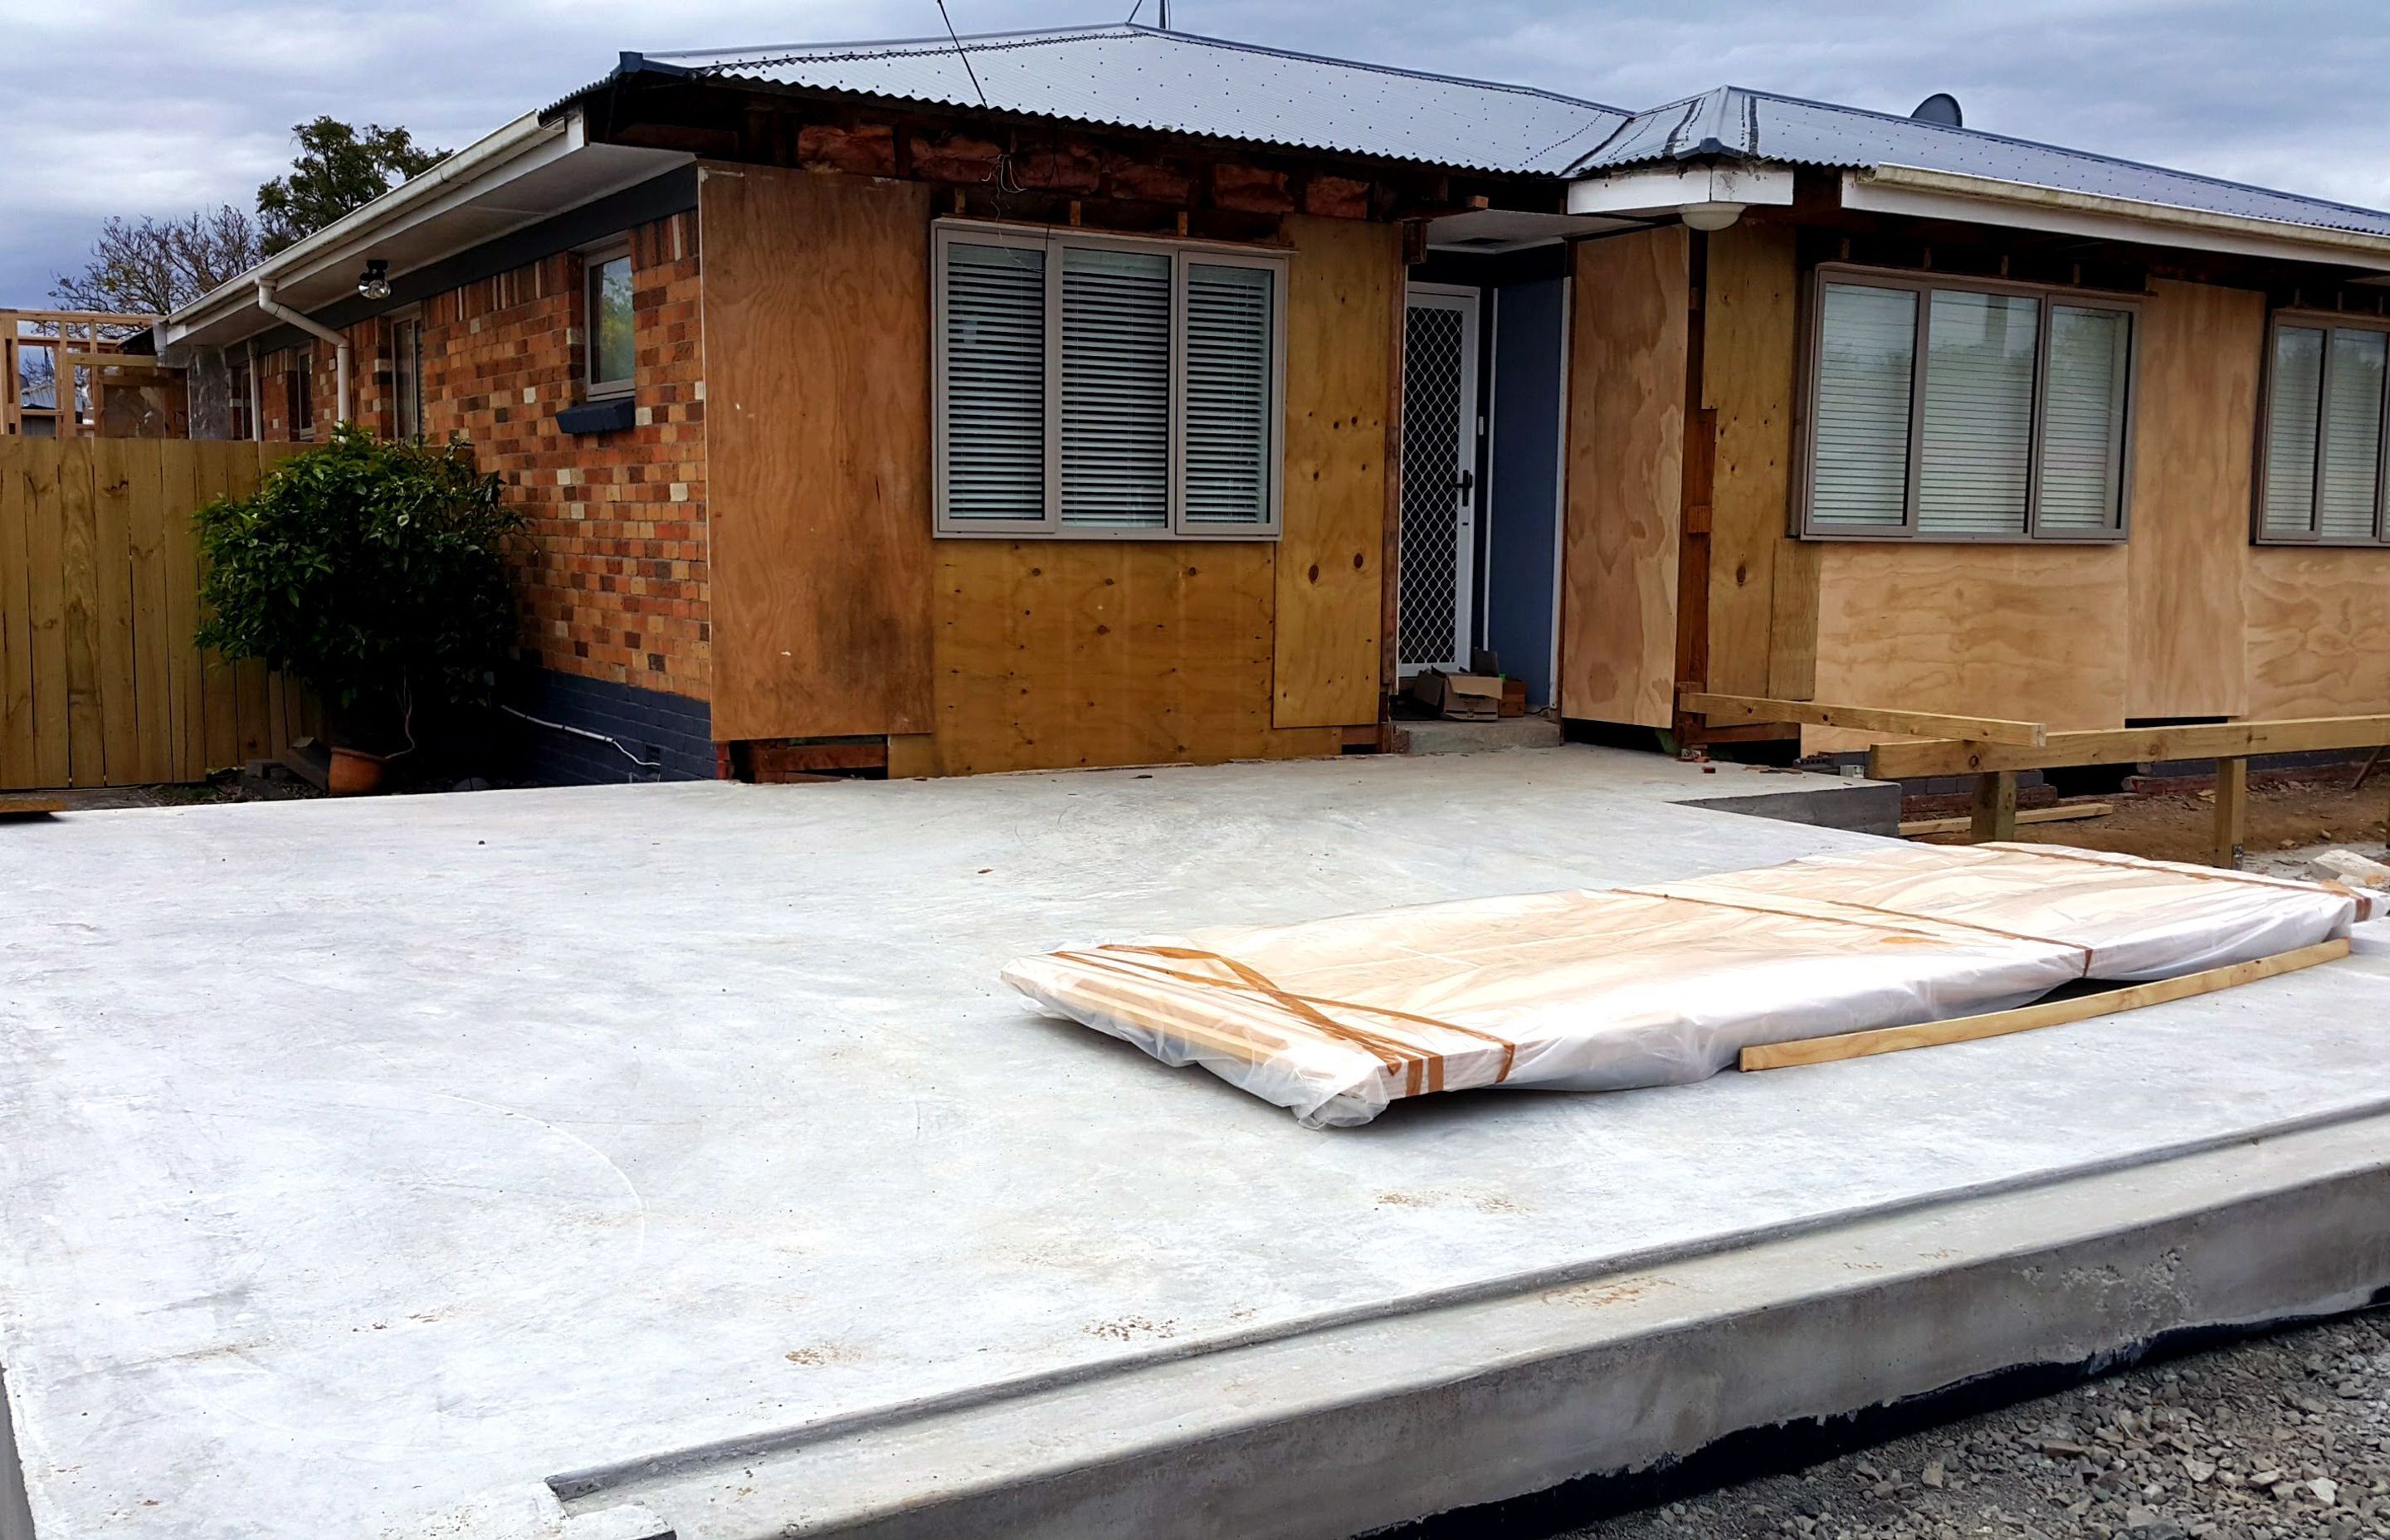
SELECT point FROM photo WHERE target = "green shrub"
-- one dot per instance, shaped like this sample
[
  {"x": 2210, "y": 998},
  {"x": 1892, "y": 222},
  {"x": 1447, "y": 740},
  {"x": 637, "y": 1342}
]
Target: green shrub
[{"x": 373, "y": 571}]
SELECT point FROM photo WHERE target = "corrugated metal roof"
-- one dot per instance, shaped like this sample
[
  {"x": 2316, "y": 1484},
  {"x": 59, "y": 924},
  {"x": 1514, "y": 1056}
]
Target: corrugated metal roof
[
  {"x": 1756, "y": 125},
  {"x": 1142, "y": 77}
]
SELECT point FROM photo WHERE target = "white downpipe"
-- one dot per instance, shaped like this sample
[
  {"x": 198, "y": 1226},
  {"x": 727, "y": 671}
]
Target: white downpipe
[
  {"x": 280, "y": 311},
  {"x": 256, "y": 400}
]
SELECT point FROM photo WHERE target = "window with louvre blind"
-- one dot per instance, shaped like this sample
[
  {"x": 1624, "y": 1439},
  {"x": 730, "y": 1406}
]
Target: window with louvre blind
[
  {"x": 1949, "y": 409},
  {"x": 1103, "y": 388},
  {"x": 2324, "y": 482}
]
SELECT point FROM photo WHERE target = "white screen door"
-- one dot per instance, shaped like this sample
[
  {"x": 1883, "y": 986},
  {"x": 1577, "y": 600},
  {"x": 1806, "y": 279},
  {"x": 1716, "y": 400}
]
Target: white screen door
[{"x": 1439, "y": 534}]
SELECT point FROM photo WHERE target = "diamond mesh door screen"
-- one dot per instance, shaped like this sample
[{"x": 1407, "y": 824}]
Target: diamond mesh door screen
[{"x": 1434, "y": 561}]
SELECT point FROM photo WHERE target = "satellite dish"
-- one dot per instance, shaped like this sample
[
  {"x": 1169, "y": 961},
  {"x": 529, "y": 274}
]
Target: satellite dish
[{"x": 1940, "y": 108}]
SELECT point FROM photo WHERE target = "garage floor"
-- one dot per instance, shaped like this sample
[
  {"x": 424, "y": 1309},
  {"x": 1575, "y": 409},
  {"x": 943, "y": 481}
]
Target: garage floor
[{"x": 670, "y": 1157}]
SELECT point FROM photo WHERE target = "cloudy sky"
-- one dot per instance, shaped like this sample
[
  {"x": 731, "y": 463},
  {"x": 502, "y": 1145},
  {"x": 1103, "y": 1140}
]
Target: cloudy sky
[{"x": 126, "y": 108}]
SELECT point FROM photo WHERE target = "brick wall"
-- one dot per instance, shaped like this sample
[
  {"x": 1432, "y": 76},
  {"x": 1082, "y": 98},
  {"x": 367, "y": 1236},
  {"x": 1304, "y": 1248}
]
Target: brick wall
[{"x": 613, "y": 576}]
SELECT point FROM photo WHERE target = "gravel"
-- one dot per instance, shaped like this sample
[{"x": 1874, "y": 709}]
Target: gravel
[{"x": 2279, "y": 1437}]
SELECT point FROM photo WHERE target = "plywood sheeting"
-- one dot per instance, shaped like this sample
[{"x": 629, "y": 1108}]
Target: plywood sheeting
[
  {"x": 1625, "y": 463},
  {"x": 2033, "y": 633},
  {"x": 1055, "y": 654},
  {"x": 817, "y": 316},
  {"x": 2202, "y": 353},
  {"x": 2318, "y": 632},
  {"x": 1748, "y": 333},
  {"x": 1344, "y": 292}
]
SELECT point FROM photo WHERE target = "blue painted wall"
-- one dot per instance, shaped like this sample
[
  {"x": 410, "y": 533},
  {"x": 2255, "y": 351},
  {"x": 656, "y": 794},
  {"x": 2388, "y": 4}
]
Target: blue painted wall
[
  {"x": 673, "y": 731},
  {"x": 1523, "y": 502}
]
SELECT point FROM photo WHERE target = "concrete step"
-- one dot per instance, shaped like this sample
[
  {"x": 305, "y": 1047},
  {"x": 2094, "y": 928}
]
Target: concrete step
[{"x": 1479, "y": 737}]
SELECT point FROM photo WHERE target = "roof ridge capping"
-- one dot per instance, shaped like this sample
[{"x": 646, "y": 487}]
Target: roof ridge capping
[
  {"x": 1744, "y": 144},
  {"x": 988, "y": 42}
]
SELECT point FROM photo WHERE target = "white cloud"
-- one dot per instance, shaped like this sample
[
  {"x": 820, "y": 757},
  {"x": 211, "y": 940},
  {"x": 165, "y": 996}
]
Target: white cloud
[{"x": 152, "y": 107}]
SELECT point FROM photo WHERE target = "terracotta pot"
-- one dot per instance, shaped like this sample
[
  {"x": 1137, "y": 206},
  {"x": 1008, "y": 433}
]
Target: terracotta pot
[{"x": 355, "y": 772}]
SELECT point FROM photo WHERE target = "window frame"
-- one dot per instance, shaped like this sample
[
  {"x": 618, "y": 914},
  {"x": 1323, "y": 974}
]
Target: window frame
[
  {"x": 2325, "y": 321},
  {"x": 1924, "y": 285},
  {"x": 298, "y": 392},
  {"x": 1184, "y": 253},
  {"x": 593, "y": 258},
  {"x": 407, "y": 373}
]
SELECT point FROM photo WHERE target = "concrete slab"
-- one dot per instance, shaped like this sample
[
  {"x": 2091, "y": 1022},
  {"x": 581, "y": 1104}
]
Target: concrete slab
[{"x": 670, "y": 1156}]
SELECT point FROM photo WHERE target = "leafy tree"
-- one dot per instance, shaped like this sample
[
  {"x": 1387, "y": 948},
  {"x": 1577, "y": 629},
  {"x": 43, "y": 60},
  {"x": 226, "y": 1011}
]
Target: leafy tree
[
  {"x": 339, "y": 167},
  {"x": 372, "y": 571},
  {"x": 151, "y": 266}
]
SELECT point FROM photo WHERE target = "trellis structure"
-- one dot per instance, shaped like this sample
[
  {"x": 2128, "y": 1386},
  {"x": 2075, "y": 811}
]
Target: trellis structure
[{"x": 56, "y": 365}]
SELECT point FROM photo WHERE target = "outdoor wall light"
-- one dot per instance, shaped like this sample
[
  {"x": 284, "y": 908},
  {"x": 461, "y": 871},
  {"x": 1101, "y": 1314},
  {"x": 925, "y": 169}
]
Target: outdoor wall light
[
  {"x": 1710, "y": 216},
  {"x": 374, "y": 282}
]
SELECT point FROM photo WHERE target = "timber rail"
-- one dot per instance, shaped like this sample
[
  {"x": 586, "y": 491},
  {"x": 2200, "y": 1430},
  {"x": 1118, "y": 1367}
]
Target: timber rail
[{"x": 1994, "y": 750}]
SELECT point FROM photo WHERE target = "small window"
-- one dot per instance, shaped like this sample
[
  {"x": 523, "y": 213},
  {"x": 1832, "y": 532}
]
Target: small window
[
  {"x": 1104, "y": 388},
  {"x": 1949, "y": 410},
  {"x": 2323, "y": 481},
  {"x": 238, "y": 419},
  {"x": 299, "y": 391},
  {"x": 406, "y": 378},
  {"x": 612, "y": 336}
]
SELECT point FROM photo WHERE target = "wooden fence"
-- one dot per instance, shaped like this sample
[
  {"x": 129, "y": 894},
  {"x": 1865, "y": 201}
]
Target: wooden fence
[{"x": 99, "y": 597}]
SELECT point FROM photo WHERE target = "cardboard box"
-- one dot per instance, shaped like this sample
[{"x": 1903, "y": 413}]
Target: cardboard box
[{"x": 1458, "y": 697}]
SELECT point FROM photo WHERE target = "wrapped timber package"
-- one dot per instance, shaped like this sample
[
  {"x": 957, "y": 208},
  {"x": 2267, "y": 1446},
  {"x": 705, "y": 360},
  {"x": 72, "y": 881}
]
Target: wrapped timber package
[{"x": 1606, "y": 990}]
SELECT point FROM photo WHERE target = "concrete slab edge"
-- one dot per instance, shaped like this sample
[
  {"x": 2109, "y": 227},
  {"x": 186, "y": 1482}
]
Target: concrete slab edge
[
  {"x": 583, "y": 1481},
  {"x": 1863, "y": 807},
  {"x": 1382, "y": 1421}
]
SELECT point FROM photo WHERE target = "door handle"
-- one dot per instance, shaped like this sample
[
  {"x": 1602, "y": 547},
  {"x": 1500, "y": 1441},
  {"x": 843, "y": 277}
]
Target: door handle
[{"x": 1461, "y": 485}]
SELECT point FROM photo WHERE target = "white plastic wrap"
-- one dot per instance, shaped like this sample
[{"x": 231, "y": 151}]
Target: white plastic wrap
[{"x": 1649, "y": 986}]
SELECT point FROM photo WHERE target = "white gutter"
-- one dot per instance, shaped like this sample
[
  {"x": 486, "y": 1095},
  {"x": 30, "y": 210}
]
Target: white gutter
[
  {"x": 267, "y": 303},
  {"x": 304, "y": 257},
  {"x": 1918, "y": 192}
]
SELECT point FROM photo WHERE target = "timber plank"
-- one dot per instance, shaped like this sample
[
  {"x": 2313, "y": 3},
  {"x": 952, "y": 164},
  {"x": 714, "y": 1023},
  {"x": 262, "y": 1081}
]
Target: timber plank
[
  {"x": 179, "y": 480},
  {"x": 2049, "y": 1013},
  {"x": 1740, "y": 708},
  {"x": 37, "y": 465},
  {"x": 1342, "y": 277},
  {"x": 1629, "y": 337},
  {"x": 818, "y": 427},
  {"x": 18, "y": 726},
  {"x": 2071, "y": 813},
  {"x": 1996, "y": 810},
  {"x": 83, "y": 620},
  {"x": 2130, "y": 746},
  {"x": 2231, "y": 812},
  {"x": 1749, "y": 335},
  {"x": 118, "y": 680},
  {"x": 135, "y": 466}
]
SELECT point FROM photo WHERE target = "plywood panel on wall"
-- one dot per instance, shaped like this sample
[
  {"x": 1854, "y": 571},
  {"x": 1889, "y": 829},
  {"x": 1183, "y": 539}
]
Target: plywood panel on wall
[
  {"x": 816, "y": 317},
  {"x": 1750, "y": 300},
  {"x": 2030, "y": 631},
  {"x": 2201, "y": 351},
  {"x": 1625, "y": 467},
  {"x": 2319, "y": 632},
  {"x": 1065, "y": 653},
  {"x": 1343, "y": 288}
]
